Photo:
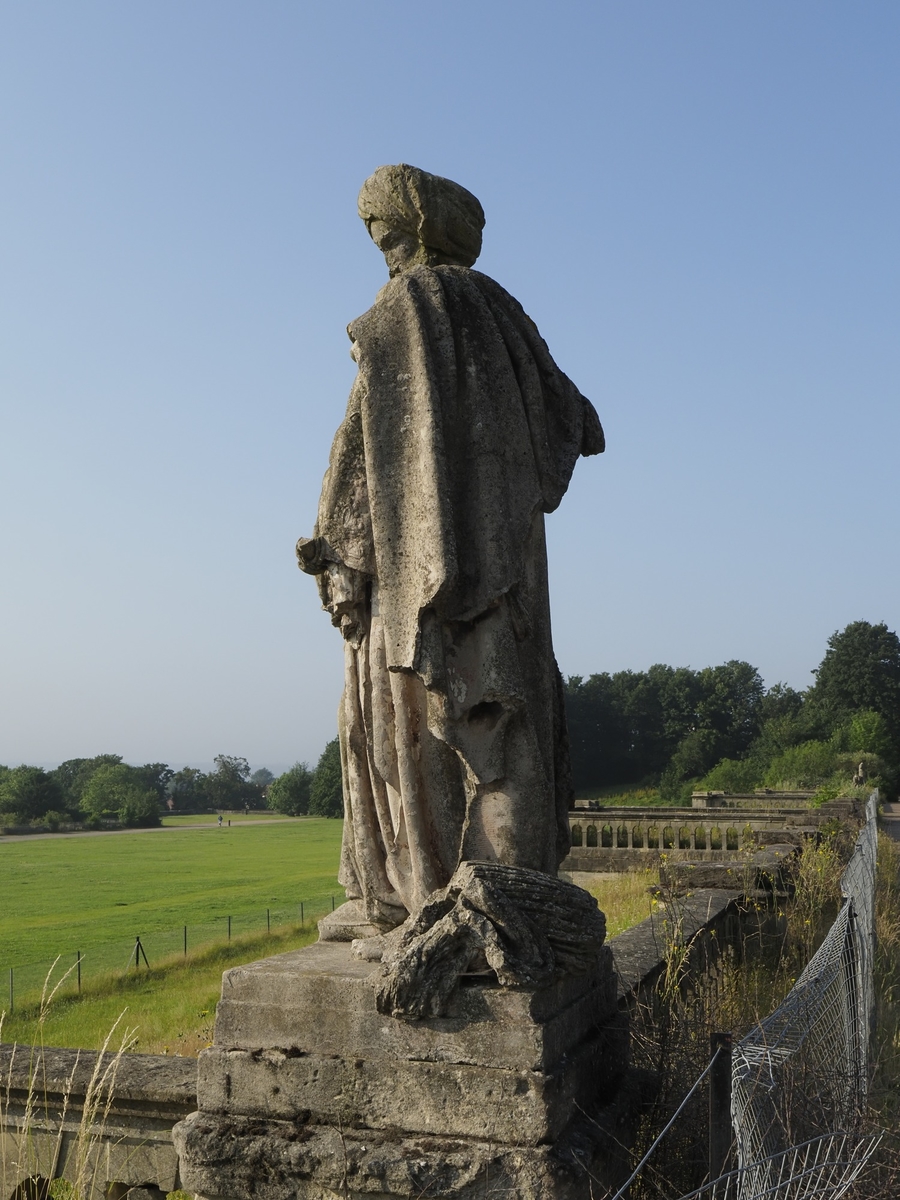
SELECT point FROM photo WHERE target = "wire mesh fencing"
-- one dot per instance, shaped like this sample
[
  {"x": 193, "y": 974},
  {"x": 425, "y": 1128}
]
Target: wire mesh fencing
[
  {"x": 823, "y": 1168},
  {"x": 802, "y": 1072},
  {"x": 799, "y": 1078}
]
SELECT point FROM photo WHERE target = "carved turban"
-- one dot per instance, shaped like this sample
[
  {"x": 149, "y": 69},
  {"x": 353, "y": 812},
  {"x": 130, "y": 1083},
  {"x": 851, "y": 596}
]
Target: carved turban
[{"x": 440, "y": 213}]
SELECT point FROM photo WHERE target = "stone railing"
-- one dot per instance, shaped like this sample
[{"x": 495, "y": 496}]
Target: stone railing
[
  {"x": 687, "y": 829},
  {"x": 628, "y": 838},
  {"x": 45, "y": 1135}
]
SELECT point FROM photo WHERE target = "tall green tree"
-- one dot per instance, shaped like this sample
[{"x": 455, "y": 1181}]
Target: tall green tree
[
  {"x": 187, "y": 788},
  {"x": 289, "y": 793},
  {"x": 326, "y": 793},
  {"x": 228, "y": 784},
  {"x": 73, "y": 776},
  {"x": 27, "y": 794},
  {"x": 120, "y": 791},
  {"x": 860, "y": 671},
  {"x": 156, "y": 776},
  {"x": 637, "y": 726}
]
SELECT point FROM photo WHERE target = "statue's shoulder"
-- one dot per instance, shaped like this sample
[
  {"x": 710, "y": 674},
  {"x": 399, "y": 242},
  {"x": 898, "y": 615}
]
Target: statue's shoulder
[{"x": 411, "y": 284}]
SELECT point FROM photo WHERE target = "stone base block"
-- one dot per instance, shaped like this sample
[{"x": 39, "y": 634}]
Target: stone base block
[
  {"x": 348, "y": 921},
  {"x": 233, "y": 1158},
  {"x": 309, "y": 1093},
  {"x": 320, "y": 1000},
  {"x": 459, "y": 1100},
  {"x": 764, "y": 869}
]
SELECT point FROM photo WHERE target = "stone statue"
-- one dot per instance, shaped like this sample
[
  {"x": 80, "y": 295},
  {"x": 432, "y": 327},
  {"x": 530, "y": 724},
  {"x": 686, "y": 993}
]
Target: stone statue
[{"x": 460, "y": 433}]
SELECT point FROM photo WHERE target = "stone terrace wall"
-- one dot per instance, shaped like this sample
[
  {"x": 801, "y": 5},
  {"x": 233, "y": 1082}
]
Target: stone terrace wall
[{"x": 130, "y": 1148}]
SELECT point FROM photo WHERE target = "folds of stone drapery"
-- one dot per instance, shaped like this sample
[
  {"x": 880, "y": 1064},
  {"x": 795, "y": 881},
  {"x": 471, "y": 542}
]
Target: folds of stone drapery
[{"x": 460, "y": 761}]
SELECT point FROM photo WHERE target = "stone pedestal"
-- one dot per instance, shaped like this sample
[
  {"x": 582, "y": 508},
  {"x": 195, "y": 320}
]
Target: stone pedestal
[{"x": 310, "y": 1092}]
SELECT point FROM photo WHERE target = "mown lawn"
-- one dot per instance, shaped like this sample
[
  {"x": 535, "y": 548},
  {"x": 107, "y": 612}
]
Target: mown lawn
[
  {"x": 59, "y": 896},
  {"x": 95, "y": 894}
]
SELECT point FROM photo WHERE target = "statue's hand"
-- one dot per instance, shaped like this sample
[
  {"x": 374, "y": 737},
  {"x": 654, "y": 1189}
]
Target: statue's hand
[{"x": 312, "y": 555}]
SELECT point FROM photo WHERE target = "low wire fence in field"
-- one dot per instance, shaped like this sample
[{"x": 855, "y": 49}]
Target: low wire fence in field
[{"x": 23, "y": 982}]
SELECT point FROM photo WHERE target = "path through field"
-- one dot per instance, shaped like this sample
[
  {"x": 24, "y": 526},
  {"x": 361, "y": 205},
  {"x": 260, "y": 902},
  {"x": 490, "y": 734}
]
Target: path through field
[{"x": 231, "y": 823}]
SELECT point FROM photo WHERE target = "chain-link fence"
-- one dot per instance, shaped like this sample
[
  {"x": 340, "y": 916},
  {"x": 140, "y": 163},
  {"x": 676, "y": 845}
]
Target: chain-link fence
[{"x": 799, "y": 1078}]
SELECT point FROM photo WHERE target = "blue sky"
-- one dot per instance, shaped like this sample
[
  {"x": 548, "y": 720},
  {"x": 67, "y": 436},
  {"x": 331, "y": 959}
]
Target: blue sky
[{"x": 697, "y": 202}]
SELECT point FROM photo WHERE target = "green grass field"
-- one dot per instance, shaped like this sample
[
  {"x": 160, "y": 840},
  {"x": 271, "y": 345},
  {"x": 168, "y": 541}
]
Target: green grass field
[
  {"x": 96, "y": 894},
  {"x": 168, "y": 1009}
]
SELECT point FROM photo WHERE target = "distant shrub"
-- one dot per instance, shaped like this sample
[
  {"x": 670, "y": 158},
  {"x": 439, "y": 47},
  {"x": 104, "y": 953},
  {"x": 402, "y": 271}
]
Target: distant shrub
[
  {"x": 139, "y": 810},
  {"x": 809, "y": 765},
  {"x": 732, "y": 775},
  {"x": 26, "y": 793}
]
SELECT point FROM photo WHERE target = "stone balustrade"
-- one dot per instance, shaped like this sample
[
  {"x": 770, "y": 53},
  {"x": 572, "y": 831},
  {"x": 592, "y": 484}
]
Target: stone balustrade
[{"x": 686, "y": 830}]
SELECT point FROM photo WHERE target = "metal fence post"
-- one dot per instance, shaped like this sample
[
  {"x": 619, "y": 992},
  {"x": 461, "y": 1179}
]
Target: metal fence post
[
  {"x": 229, "y": 929},
  {"x": 302, "y": 922},
  {"x": 185, "y": 941},
  {"x": 11, "y": 1005},
  {"x": 720, "y": 1135},
  {"x": 268, "y": 922},
  {"x": 78, "y": 952}
]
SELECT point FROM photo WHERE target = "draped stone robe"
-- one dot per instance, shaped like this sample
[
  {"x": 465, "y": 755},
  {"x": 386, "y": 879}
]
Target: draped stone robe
[{"x": 460, "y": 433}]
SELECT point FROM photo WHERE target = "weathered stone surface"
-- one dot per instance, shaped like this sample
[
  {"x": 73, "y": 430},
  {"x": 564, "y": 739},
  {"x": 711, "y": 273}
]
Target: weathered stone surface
[
  {"x": 514, "y": 1106},
  {"x": 640, "y": 952},
  {"x": 461, "y": 432},
  {"x": 149, "y": 1078},
  {"x": 244, "y": 1159},
  {"x": 763, "y": 869},
  {"x": 130, "y": 1147},
  {"x": 429, "y": 552},
  {"x": 348, "y": 921},
  {"x": 320, "y": 1000}
]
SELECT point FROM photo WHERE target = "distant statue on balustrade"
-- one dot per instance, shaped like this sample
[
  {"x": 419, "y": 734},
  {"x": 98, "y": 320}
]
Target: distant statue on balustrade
[{"x": 460, "y": 434}]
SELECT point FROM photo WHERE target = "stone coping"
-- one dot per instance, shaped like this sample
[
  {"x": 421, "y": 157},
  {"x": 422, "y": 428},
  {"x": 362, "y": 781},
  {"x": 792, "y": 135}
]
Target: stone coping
[
  {"x": 666, "y": 816},
  {"x": 639, "y": 952},
  {"x": 53, "y": 1071}
]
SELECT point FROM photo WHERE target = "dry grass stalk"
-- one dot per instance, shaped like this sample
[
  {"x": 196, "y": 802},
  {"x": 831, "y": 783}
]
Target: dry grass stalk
[{"x": 33, "y": 1148}]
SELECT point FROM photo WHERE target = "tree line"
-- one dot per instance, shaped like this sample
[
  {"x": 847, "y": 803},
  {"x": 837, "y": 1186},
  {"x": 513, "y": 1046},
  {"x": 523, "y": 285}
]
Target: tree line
[
  {"x": 671, "y": 728},
  {"x": 720, "y": 729},
  {"x": 92, "y": 791}
]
